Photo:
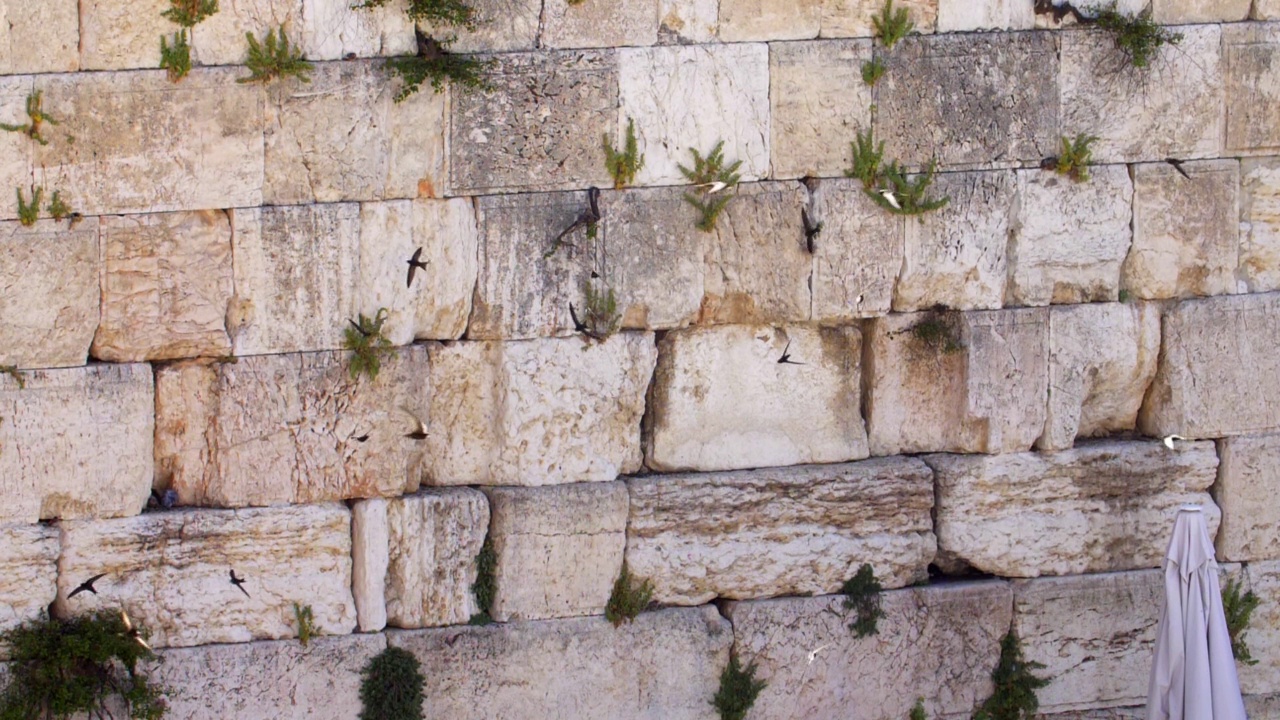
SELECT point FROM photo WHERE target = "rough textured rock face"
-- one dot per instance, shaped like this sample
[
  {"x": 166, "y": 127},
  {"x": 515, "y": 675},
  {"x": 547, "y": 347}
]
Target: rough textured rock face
[
  {"x": 1172, "y": 108},
  {"x": 801, "y": 530},
  {"x": 1185, "y": 234},
  {"x": 295, "y": 428},
  {"x": 1095, "y": 635},
  {"x": 691, "y": 97},
  {"x": 171, "y": 572},
  {"x": 965, "y": 99},
  {"x": 117, "y": 37},
  {"x": 1069, "y": 238},
  {"x": 332, "y": 29},
  {"x": 15, "y": 148},
  {"x": 1263, "y": 635},
  {"x": 559, "y": 549},
  {"x": 1215, "y": 352},
  {"x": 764, "y": 413},
  {"x": 664, "y": 664},
  {"x": 743, "y": 20},
  {"x": 653, "y": 257},
  {"x": 29, "y": 566},
  {"x": 1102, "y": 357},
  {"x": 955, "y": 633},
  {"x": 537, "y": 412},
  {"x": 971, "y": 382},
  {"x": 1175, "y": 12},
  {"x": 501, "y": 26},
  {"x": 686, "y": 22},
  {"x": 49, "y": 292},
  {"x": 433, "y": 539},
  {"x": 965, "y": 15},
  {"x": 370, "y": 558},
  {"x": 1096, "y": 508},
  {"x": 39, "y": 37},
  {"x": 599, "y": 24},
  {"x": 1248, "y": 483},
  {"x": 539, "y": 128},
  {"x": 76, "y": 443},
  {"x": 1252, "y": 84},
  {"x": 1259, "y": 267},
  {"x": 857, "y": 255},
  {"x": 852, "y": 18},
  {"x": 166, "y": 285},
  {"x": 956, "y": 256}
]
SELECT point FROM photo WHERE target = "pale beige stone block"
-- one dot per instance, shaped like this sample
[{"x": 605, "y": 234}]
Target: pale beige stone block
[
  {"x": 1265, "y": 10},
  {"x": 687, "y": 22},
  {"x": 220, "y": 38},
  {"x": 598, "y": 23},
  {"x": 1259, "y": 267},
  {"x": 29, "y": 566},
  {"x": 1186, "y": 12},
  {"x": 857, "y": 255},
  {"x": 39, "y": 37},
  {"x": 16, "y": 149},
  {"x": 119, "y": 36},
  {"x": 818, "y": 103},
  {"x": 334, "y": 29},
  {"x": 433, "y": 539},
  {"x": 370, "y": 558},
  {"x": 1248, "y": 484},
  {"x": 969, "y": 15},
  {"x": 852, "y": 18},
  {"x": 1252, "y": 87},
  {"x": 753, "y": 20},
  {"x": 501, "y": 26},
  {"x": 50, "y": 296}
]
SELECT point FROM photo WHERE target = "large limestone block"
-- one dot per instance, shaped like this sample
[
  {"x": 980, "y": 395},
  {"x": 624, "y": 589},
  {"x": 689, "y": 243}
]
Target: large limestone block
[
  {"x": 171, "y": 572},
  {"x": 50, "y": 297},
  {"x": 723, "y": 401},
  {"x": 501, "y": 26},
  {"x": 853, "y": 18},
  {"x": 1102, "y": 357},
  {"x": 279, "y": 680},
  {"x": 957, "y": 256},
  {"x": 166, "y": 283},
  {"x": 1185, "y": 233},
  {"x": 1095, "y": 634},
  {"x": 39, "y": 37},
  {"x": 558, "y": 549},
  {"x": 118, "y": 36},
  {"x": 653, "y": 256},
  {"x": 1263, "y": 636},
  {"x": 539, "y": 127},
  {"x": 598, "y": 23},
  {"x": 1259, "y": 267},
  {"x": 818, "y": 103},
  {"x": 134, "y": 142},
  {"x": 939, "y": 642},
  {"x": 664, "y": 664},
  {"x": 16, "y": 149},
  {"x": 219, "y": 39},
  {"x": 796, "y": 531},
  {"x": 959, "y": 382},
  {"x": 968, "y": 15},
  {"x": 1096, "y": 508},
  {"x": 335, "y": 29},
  {"x": 29, "y": 566},
  {"x": 1068, "y": 239},
  {"x": 691, "y": 97},
  {"x": 687, "y": 22},
  {"x": 857, "y": 254},
  {"x": 747, "y": 20},
  {"x": 370, "y": 558},
  {"x": 76, "y": 443},
  {"x": 342, "y": 137},
  {"x": 1248, "y": 484},
  {"x": 1217, "y": 369},
  {"x": 295, "y": 428},
  {"x": 967, "y": 100},
  {"x": 537, "y": 412},
  {"x": 1173, "y": 107},
  {"x": 1252, "y": 85},
  {"x": 1186, "y": 12}
]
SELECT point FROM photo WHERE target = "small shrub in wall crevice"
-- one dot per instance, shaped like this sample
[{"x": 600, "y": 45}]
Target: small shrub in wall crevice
[{"x": 391, "y": 686}]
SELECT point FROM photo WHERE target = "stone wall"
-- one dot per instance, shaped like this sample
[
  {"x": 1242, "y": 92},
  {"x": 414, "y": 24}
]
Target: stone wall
[{"x": 185, "y": 333}]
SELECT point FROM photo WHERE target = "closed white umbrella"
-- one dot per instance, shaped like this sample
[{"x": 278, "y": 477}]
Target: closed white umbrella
[{"x": 1193, "y": 676}]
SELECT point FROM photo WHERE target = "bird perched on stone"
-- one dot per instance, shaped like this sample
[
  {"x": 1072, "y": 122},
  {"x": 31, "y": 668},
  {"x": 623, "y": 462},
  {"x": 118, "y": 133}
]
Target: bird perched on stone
[
  {"x": 414, "y": 265},
  {"x": 87, "y": 585},
  {"x": 238, "y": 582},
  {"x": 578, "y": 325},
  {"x": 890, "y": 198}
]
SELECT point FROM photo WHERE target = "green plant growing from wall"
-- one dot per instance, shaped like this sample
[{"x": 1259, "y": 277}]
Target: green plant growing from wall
[
  {"x": 445, "y": 68},
  {"x": 937, "y": 333},
  {"x": 485, "y": 588},
  {"x": 36, "y": 117},
  {"x": 904, "y": 195},
  {"x": 628, "y": 599},
  {"x": 188, "y": 13},
  {"x": 454, "y": 13},
  {"x": 623, "y": 165},
  {"x": 13, "y": 372},
  {"x": 1238, "y": 609},
  {"x": 867, "y": 157},
  {"x": 738, "y": 689},
  {"x": 1137, "y": 36},
  {"x": 917, "y": 711},
  {"x": 61, "y": 668},
  {"x": 364, "y": 338},
  {"x": 274, "y": 58},
  {"x": 891, "y": 25},
  {"x": 1014, "y": 696},
  {"x": 862, "y": 595},
  {"x": 873, "y": 70},
  {"x": 1075, "y": 157},
  {"x": 58, "y": 208},
  {"x": 29, "y": 213},
  {"x": 176, "y": 58},
  {"x": 710, "y": 175},
  {"x": 601, "y": 316},
  {"x": 391, "y": 686},
  {"x": 303, "y": 616}
]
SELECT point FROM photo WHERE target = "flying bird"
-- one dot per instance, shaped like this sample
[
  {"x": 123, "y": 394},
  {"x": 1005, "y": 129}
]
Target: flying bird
[
  {"x": 359, "y": 329},
  {"x": 1168, "y": 442},
  {"x": 414, "y": 264},
  {"x": 238, "y": 582},
  {"x": 1177, "y": 165},
  {"x": 890, "y": 198},
  {"x": 420, "y": 431},
  {"x": 786, "y": 356},
  {"x": 578, "y": 325},
  {"x": 586, "y": 218},
  {"x": 131, "y": 631},
  {"x": 813, "y": 654},
  {"x": 361, "y": 438},
  {"x": 87, "y": 585},
  {"x": 712, "y": 188}
]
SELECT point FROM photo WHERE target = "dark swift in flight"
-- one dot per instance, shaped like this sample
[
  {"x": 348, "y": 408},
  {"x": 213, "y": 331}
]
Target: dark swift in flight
[
  {"x": 414, "y": 265},
  {"x": 238, "y": 582},
  {"x": 87, "y": 585},
  {"x": 786, "y": 356}
]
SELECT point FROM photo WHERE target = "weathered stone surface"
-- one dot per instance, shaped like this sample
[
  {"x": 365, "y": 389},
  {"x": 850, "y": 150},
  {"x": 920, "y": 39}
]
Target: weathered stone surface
[
  {"x": 29, "y": 566},
  {"x": 278, "y": 680},
  {"x": 764, "y": 413},
  {"x": 294, "y": 428},
  {"x": 796, "y": 531},
  {"x": 1186, "y": 12},
  {"x": 963, "y": 382},
  {"x": 76, "y": 443},
  {"x": 1095, "y": 635},
  {"x": 653, "y": 256},
  {"x": 220, "y": 38},
  {"x": 539, "y": 128},
  {"x": 596, "y": 23},
  {"x": 1252, "y": 85},
  {"x": 1217, "y": 363},
  {"x": 1262, "y": 707},
  {"x": 957, "y": 256},
  {"x": 1259, "y": 267},
  {"x": 687, "y": 22},
  {"x": 1248, "y": 483},
  {"x": 342, "y": 137},
  {"x": 166, "y": 283},
  {"x": 817, "y": 668},
  {"x": 968, "y": 15},
  {"x": 818, "y": 103},
  {"x": 39, "y": 37},
  {"x": 1263, "y": 634},
  {"x": 1068, "y": 239},
  {"x": 537, "y": 412},
  {"x": 501, "y": 26},
  {"x": 134, "y": 142},
  {"x": 16, "y": 149},
  {"x": 559, "y": 549},
  {"x": 852, "y": 18},
  {"x": 115, "y": 36},
  {"x": 691, "y": 97},
  {"x": 370, "y": 558},
  {"x": 747, "y": 20},
  {"x": 49, "y": 292},
  {"x": 664, "y": 664},
  {"x": 857, "y": 255},
  {"x": 1185, "y": 234},
  {"x": 333, "y": 29},
  {"x": 1172, "y": 108},
  {"x": 169, "y": 571},
  {"x": 968, "y": 101},
  {"x": 1096, "y": 508},
  {"x": 1102, "y": 357}
]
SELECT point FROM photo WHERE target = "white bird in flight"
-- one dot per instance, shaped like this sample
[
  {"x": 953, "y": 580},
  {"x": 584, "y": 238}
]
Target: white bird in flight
[
  {"x": 814, "y": 653},
  {"x": 889, "y": 198},
  {"x": 714, "y": 187},
  {"x": 1168, "y": 442}
]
